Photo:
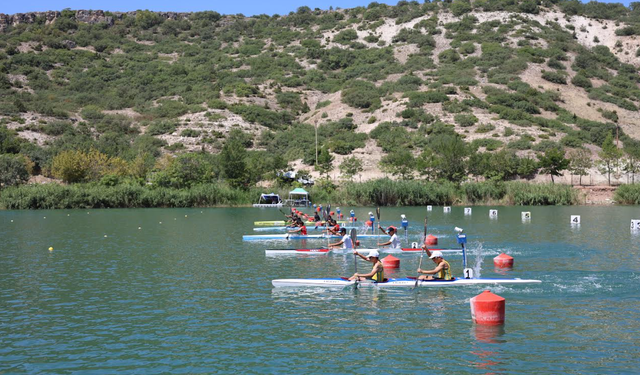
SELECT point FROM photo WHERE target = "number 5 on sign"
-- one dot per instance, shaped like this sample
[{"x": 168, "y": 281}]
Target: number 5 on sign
[
  {"x": 493, "y": 214},
  {"x": 575, "y": 219},
  {"x": 635, "y": 225}
]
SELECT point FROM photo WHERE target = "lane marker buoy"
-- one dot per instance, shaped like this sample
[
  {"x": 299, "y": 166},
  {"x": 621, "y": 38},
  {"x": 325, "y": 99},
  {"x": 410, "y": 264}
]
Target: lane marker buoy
[
  {"x": 487, "y": 308},
  {"x": 575, "y": 219},
  {"x": 51, "y": 248},
  {"x": 503, "y": 261}
]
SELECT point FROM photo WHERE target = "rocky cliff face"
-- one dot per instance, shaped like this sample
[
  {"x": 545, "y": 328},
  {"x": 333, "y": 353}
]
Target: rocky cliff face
[{"x": 86, "y": 16}]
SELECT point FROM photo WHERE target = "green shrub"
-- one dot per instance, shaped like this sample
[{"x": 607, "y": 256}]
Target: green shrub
[
  {"x": 161, "y": 127},
  {"x": 554, "y": 77},
  {"x": 345, "y": 36},
  {"x": 361, "y": 94},
  {"x": 581, "y": 80},
  {"x": 465, "y": 120},
  {"x": 191, "y": 133},
  {"x": 485, "y": 128}
]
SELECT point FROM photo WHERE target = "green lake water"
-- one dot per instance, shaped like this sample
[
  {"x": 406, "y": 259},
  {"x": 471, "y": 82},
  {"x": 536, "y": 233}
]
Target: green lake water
[{"x": 178, "y": 291}]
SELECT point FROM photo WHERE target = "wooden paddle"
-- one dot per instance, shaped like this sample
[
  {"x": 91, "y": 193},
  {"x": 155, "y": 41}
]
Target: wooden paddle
[
  {"x": 421, "y": 253},
  {"x": 354, "y": 237}
]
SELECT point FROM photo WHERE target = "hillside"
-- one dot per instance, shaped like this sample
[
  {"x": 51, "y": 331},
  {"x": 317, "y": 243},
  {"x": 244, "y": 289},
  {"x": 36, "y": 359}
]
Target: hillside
[{"x": 436, "y": 91}]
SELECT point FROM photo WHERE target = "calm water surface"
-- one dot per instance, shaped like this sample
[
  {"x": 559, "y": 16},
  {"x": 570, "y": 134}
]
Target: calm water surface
[{"x": 177, "y": 291}]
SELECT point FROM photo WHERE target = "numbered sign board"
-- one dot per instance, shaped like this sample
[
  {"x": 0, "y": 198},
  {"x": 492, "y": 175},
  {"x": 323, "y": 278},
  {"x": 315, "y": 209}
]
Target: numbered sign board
[
  {"x": 493, "y": 214},
  {"x": 414, "y": 245},
  {"x": 525, "y": 215},
  {"x": 467, "y": 210},
  {"x": 575, "y": 219},
  {"x": 429, "y": 208},
  {"x": 635, "y": 225},
  {"x": 446, "y": 209},
  {"x": 468, "y": 273}
]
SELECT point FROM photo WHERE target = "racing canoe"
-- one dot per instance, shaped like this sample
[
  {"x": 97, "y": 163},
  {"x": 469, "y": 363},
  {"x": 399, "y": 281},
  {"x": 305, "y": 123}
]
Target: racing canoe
[
  {"x": 273, "y": 229},
  {"x": 345, "y": 251},
  {"x": 261, "y": 237},
  {"x": 393, "y": 283},
  {"x": 280, "y": 223}
]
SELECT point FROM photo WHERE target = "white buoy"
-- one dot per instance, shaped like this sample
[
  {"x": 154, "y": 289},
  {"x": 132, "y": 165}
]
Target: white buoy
[
  {"x": 105, "y": 236},
  {"x": 161, "y": 222},
  {"x": 429, "y": 208},
  {"x": 12, "y": 221},
  {"x": 139, "y": 227},
  {"x": 575, "y": 219},
  {"x": 493, "y": 214},
  {"x": 467, "y": 211}
]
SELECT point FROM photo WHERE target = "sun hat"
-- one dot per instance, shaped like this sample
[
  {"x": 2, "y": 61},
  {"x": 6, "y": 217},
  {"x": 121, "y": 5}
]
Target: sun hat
[
  {"x": 392, "y": 228},
  {"x": 436, "y": 254},
  {"x": 373, "y": 253}
]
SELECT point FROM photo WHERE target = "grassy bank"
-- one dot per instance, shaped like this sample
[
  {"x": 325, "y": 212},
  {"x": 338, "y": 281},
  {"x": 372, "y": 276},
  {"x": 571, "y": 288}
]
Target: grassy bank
[
  {"x": 628, "y": 194},
  {"x": 382, "y": 192}
]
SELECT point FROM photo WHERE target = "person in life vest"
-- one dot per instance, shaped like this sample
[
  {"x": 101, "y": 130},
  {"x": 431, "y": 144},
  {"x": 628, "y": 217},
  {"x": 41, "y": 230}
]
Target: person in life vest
[
  {"x": 300, "y": 228},
  {"x": 377, "y": 272},
  {"x": 442, "y": 270},
  {"x": 394, "y": 241},
  {"x": 353, "y": 217},
  {"x": 316, "y": 218},
  {"x": 346, "y": 241}
]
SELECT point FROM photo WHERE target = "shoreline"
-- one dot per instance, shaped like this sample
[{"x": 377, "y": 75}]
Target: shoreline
[{"x": 381, "y": 192}]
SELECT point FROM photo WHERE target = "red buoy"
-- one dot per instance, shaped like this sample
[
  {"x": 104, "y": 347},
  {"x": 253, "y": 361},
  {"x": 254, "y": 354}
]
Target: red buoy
[
  {"x": 391, "y": 262},
  {"x": 487, "y": 308},
  {"x": 431, "y": 240},
  {"x": 368, "y": 223},
  {"x": 503, "y": 260}
]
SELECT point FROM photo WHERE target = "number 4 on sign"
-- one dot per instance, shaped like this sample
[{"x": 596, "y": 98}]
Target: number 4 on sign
[{"x": 575, "y": 219}]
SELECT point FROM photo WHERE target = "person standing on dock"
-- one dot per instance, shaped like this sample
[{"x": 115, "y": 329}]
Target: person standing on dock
[
  {"x": 346, "y": 241},
  {"x": 394, "y": 241},
  {"x": 442, "y": 270},
  {"x": 377, "y": 272}
]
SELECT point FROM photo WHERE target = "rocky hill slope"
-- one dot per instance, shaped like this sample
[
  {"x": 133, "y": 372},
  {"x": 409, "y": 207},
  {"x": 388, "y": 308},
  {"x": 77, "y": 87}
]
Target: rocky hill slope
[{"x": 394, "y": 86}]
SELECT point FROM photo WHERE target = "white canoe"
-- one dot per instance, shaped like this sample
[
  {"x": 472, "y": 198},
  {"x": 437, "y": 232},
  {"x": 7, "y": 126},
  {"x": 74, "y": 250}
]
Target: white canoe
[
  {"x": 393, "y": 283},
  {"x": 309, "y": 228},
  {"x": 279, "y": 223},
  {"x": 259, "y": 237},
  {"x": 348, "y": 251}
]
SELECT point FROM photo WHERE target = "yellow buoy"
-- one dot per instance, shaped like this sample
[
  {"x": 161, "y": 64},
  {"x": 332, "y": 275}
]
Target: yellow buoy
[
  {"x": 12, "y": 221},
  {"x": 44, "y": 217},
  {"x": 105, "y": 236},
  {"x": 161, "y": 222},
  {"x": 185, "y": 215},
  {"x": 68, "y": 215},
  {"x": 51, "y": 249},
  {"x": 139, "y": 227}
]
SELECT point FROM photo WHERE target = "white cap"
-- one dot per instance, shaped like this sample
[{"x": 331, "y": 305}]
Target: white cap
[
  {"x": 370, "y": 213},
  {"x": 436, "y": 254},
  {"x": 402, "y": 216},
  {"x": 373, "y": 253}
]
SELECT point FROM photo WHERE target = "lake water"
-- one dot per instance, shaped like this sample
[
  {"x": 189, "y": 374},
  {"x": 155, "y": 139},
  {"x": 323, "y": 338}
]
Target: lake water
[{"x": 177, "y": 291}]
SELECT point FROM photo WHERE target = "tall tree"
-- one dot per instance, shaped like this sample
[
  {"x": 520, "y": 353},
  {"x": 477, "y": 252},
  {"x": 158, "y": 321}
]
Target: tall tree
[
  {"x": 610, "y": 158},
  {"x": 553, "y": 163},
  {"x": 398, "y": 163},
  {"x": 580, "y": 162},
  {"x": 233, "y": 156},
  {"x": 451, "y": 151},
  {"x": 325, "y": 161},
  {"x": 350, "y": 167}
]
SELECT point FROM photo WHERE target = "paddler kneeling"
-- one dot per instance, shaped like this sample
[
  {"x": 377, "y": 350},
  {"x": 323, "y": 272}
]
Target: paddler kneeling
[
  {"x": 346, "y": 241},
  {"x": 302, "y": 229},
  {"x": 393, "y": 241},
  {"x": 442, "y": 270},
  {"x": 377, "y": 272}
]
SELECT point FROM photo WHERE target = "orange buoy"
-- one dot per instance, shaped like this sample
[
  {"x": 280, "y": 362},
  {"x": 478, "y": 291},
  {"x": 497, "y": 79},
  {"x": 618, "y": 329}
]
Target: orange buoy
[
  {"x": 503, "y": 260},
  {"x": 368, "y": 223},
  {"x": 487, "y": 308},
  {"x": 431, "y": 240},
  {"x": 391, "y": 262}
]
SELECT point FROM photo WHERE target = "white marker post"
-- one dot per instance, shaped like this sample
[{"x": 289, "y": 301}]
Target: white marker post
[
  {"x": 429, "y": 208},
  {"x": 493, "y": 214},
  {"x": 635, "y": 225},
  {"x": 575, "y": 219},
  {"x": 467, "y": 211},
  {"x": 446, "y": 209}
]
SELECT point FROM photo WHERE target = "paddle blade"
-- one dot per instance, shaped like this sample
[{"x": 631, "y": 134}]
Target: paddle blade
[
  {"x": 378, "y": 214},
  {"x": 354, "y": 236},
  {"x": 425, "y": 228}
]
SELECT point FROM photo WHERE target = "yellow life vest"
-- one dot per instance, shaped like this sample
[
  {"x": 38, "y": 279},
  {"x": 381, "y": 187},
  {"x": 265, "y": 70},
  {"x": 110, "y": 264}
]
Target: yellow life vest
[
  {"x": 379, "y": 276},
  {"x": 445, "y": 272}
]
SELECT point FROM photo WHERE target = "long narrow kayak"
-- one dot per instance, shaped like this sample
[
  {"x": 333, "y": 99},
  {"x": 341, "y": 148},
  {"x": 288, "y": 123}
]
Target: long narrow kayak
[
  {"x": 344, "y": 251},
  {"x": 279, "y": 223},
  {"x": 273, "y": 229},
  {"x": 260, "y": 237},
  {"x": 393, "y": 283}
]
